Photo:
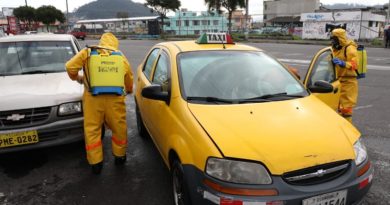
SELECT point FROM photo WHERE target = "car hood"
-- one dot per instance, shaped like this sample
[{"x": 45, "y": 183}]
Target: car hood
[
  {"x": 37, "y": 90},
  {"x": 284, "y": 135}
]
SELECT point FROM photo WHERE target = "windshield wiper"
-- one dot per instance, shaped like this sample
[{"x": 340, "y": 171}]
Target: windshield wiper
[
  {"x": 38, "y": 71},
  {"x": 211, "y": 99},
  {"x": 276, "y": 95}
]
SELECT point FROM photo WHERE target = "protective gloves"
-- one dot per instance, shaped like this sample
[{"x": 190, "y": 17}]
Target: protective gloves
[{"x": 339, "y": 62}]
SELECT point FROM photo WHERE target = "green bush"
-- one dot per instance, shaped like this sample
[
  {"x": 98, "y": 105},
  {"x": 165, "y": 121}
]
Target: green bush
[
  {"x": 296, "y": 37},
  {"x": 377, "y": 42}
]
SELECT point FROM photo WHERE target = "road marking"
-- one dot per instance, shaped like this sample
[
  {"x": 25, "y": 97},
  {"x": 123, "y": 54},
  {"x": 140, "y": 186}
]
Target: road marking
[
  {"x": 307, "y": 62},
  {"x": 363, "y": 107}
]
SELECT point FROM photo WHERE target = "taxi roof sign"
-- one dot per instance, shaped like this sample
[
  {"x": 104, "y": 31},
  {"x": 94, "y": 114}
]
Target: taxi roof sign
[{"x": 215, "y": 38}]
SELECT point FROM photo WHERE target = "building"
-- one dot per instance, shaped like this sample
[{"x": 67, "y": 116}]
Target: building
[
  {"x": 193, "y": 23},
  {"x": 287, "y": 12},
  {"x": 136, "y": 25},
  {"x": 238, "y": 20},
  {"x": 361, "y": 24}
]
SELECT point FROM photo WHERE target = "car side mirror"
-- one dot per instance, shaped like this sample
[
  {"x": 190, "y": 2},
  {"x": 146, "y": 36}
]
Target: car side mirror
[
  {"x": 155, "y": 92},
  {"x": 321, "y": 87}
]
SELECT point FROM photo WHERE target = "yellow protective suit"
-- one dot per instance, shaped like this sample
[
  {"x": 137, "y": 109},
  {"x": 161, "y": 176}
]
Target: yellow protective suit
[
  {"x": 347, "y": 75},
  {"x": 107, "y": 109}
]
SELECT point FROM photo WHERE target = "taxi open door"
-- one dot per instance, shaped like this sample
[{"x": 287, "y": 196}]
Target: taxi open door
[{"x": 322, "y": 69}]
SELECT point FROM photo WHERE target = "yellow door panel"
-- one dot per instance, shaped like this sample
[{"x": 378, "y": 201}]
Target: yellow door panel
[{"x": 322, "y": 69}]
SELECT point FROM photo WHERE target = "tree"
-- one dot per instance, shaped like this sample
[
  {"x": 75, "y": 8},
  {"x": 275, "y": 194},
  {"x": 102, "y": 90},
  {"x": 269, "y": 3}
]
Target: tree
[
  {"x": 229, "y": 5},
  {"x": 162, "y": 7},
  {"x": 25, "y": 14},
  {"x": 49, "y": 15}
]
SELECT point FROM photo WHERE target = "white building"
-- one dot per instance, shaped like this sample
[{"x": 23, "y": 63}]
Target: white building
[{"x": 360, "y": 24}]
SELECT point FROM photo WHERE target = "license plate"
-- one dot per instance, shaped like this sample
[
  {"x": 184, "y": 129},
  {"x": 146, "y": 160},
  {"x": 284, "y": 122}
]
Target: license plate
[
  {"x": 18, "y": 138},
  {"x": 334, "y": 198}
]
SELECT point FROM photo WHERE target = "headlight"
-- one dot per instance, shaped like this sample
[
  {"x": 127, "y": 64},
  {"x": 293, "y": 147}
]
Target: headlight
[
  {"x": 360, "y": 152},
  {"x": 237, "y": 171},
  {"x": 70, "y": 108}
]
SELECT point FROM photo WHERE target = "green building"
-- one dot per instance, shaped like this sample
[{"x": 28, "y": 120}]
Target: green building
[{"x": 194, "y": 23}]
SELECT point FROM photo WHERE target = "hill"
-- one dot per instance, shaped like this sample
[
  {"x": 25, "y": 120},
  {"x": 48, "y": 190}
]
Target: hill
[{"x": 101, "y": 9}]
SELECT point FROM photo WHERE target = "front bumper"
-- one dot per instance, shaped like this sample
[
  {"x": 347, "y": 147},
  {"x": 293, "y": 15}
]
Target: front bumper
[
  {"x": 287, "y": 194},
  {"x": 51, "y": 134}
]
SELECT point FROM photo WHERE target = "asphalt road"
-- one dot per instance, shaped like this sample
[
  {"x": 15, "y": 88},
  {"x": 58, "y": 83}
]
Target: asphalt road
[{"x": 61, "y": 175}]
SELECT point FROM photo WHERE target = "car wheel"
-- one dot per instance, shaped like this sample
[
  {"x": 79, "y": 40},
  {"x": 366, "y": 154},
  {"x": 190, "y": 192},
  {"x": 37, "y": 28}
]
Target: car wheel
[
  {"x": 180, "y": 190},
  {"x": 83, "y": 38},
  {"x": 140, "y": 125}
]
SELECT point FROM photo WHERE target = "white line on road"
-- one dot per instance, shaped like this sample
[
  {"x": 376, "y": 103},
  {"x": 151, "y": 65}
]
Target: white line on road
[
  {"x": 363, "y": 107},
  {"x": 307, "y": 62}
]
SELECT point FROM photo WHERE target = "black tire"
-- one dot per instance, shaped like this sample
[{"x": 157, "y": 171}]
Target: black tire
[
  {"x": 83, "y": 38},
  {"x": 140, "y": 124},
  {"x": 179, "y": 186}
]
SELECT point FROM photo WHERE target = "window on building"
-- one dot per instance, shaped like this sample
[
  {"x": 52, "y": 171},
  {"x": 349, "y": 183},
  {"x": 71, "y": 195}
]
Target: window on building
[
  {"x": 265, "y": 16},
  {"x": 208, "y": 22},
  {"x": 197, "y": 32},
  {"x": 178, "y": 23},
  {"x": 370, "y": 23},
  {"x": 187, "y": 23},
  {"x": 237, "y": 20},
  {"x": 265, "y": 7},
  {"x": 377, "y": 24},
  {"x": 215, "y": 22},
  {"x": 195, "y": 22},
  {"x": 204, "y": 22}
]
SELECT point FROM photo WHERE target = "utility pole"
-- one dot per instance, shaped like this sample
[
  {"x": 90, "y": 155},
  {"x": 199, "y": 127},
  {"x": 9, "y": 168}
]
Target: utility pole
[
  {"x": 67, "y": 17},
  {"x": 388, "y": 13},
  {"x": 246, "y": 20},
  {"x": 25, "y": 2}
]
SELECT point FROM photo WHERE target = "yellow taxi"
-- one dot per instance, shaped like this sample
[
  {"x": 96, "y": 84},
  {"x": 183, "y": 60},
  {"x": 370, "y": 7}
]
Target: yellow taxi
[{"x": 235, "y": 126}]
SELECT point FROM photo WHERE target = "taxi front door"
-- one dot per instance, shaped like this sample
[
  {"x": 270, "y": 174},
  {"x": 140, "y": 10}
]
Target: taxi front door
[
  {"x": 322, "y": 68},
  {"x": 160, "y": 115}
]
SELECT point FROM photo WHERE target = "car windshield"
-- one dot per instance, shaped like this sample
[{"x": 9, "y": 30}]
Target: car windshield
[
  {"x": 235, "y": 76},
  {"x": 19, "y": 58}
]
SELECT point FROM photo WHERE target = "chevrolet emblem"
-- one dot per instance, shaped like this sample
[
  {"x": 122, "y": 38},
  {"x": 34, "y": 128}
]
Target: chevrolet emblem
[{"x": 15, "y": 117}]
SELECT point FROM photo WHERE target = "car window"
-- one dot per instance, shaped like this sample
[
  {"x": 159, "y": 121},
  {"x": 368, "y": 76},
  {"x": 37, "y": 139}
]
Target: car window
[
  {"x": 323, "y": 69},
  {"x": 234, "y": 75},
  {"x": 150, "y": 62},
  {"x": 34, "y": 57},
  {"x": 160, "y": 75}
]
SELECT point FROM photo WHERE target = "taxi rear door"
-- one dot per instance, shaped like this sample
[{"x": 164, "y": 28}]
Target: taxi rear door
[{"x": 322, "y": 69}]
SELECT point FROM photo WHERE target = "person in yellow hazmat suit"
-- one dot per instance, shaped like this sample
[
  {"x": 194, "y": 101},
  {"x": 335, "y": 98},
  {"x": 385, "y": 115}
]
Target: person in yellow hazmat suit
[
  {"x": 346, "y": 62},
  {"x": 103, "y": 104}
]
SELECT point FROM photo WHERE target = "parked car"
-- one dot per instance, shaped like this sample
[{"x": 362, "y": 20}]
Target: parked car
[
  {"x": 40, "y": 106},
  {"x": 235, "y": 126},
  {"x": 79, "y": 34}
]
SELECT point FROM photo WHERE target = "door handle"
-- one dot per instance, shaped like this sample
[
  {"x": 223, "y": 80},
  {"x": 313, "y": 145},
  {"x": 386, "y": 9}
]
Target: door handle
[{"x": 335, "y": 90}]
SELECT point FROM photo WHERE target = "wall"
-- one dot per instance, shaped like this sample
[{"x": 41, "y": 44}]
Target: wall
[
  {"x": 205, "y": 22},
  {"x": 357, "y": 25},
  {"x": 289, "y": 7}
]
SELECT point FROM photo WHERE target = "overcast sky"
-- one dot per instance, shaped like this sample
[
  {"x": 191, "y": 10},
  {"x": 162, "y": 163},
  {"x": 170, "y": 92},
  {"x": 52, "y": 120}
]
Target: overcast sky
[{"x": 255, "y": 6}]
